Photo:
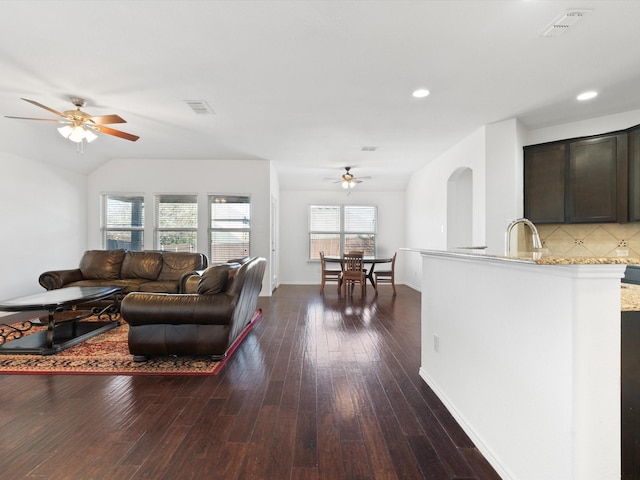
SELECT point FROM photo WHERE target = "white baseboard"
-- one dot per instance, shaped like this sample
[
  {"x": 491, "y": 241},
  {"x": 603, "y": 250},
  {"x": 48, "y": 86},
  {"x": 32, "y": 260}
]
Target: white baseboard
[{"x": 468, "y": 429}]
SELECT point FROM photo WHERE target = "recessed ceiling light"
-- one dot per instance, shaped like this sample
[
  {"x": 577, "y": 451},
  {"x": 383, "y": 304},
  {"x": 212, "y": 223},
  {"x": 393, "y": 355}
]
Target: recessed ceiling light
[
  {"x": 421, "y": 93},
  {"x": 587, "y": 95}
]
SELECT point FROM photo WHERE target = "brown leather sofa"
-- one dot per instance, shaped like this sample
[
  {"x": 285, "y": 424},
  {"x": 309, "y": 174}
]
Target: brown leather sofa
[
  {"x": 146, "y": 271},
  {"x": 214, "y": 311}
]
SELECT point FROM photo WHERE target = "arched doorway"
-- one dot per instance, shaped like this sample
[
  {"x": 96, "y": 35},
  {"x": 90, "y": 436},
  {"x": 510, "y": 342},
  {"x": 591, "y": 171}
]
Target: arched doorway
[{"x": 460, "y": 208}]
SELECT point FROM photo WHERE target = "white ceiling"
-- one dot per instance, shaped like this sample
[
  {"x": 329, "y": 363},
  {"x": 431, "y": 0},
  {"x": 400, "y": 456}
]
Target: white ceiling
[{"x": 306, "y": 84}]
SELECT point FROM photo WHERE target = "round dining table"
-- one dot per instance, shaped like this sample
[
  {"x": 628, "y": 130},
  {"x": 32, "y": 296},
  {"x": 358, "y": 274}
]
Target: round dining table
[{"x": 366, "y": 260}]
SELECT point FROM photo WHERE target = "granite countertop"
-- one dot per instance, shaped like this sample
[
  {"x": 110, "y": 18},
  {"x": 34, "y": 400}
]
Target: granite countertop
[
  {"x": 629, "y": 297},
  {"x": 557, "y": 260},
  {"x": 539, "y": 258}
]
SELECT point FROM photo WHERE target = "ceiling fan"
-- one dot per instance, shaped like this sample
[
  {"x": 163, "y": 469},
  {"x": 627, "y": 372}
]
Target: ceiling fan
[
  {"x": 348, "y": 180},
  {"x": 79, "y": 125}
]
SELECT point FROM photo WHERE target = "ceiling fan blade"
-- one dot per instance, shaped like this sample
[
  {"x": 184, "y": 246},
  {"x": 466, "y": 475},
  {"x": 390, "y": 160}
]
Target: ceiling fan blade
[
  {"x": 116, "y": 133},
  {"x": 55, "y": 112},
  {"x": 40, "y": 119},
  {"x": 106, "y": 119}
]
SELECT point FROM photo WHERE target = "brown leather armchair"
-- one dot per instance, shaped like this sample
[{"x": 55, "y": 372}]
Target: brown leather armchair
[{"x": 205, "y": 322}]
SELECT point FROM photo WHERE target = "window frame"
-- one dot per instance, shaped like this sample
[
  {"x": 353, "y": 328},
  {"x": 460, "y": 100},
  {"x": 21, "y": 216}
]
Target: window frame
[
  {"x": 244, "y": 231},
  {"x": 134, "y": 230},
  {"x": 342, "y": 233},
  {"x": 158, "y": 229}
]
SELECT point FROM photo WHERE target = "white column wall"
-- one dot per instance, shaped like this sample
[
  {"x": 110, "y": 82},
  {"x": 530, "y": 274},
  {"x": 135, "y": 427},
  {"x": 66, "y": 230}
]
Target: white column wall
[
  {"x": 504, "y": 177},
  {"x": 528, "y": 362}
]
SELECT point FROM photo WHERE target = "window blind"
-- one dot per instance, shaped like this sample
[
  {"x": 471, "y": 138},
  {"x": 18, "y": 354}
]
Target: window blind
[
  {"x": 123, "y": 222},
  {"x": 334, "y": 229},
  {"x": 230, "y": 227},
  {"x": 176, "y": 223}
]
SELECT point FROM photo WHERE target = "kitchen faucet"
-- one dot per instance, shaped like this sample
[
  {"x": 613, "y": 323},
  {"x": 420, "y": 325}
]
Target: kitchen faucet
[{"x": 537, "y": 244}]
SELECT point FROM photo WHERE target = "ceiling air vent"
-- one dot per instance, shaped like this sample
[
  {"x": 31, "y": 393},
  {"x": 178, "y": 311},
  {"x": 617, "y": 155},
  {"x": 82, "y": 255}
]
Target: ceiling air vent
[
  {"x": 564, "y": 22},
  {"x": 369, "y": 149},
  {"x": 200, "y": 107}
]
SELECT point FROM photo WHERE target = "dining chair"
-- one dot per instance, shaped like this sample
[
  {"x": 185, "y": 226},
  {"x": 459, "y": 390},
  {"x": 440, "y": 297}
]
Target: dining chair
[
  {"x": 353, "y": 272},
  {"x": 358, "y": 252},
  {"x": 329, "y": 274},
  {"x": 387, "y": 276}
]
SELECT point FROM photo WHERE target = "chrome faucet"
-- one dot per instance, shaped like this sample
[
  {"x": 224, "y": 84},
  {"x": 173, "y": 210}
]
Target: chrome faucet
[{"x": 537, "y": 244}]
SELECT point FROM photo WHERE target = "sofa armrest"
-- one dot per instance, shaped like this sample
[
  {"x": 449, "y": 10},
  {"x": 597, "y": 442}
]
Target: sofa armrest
[
  {"x": 59, "y": 278},
  {"x": 189, "y": 282},
  {"x": 139, "y": 308}
]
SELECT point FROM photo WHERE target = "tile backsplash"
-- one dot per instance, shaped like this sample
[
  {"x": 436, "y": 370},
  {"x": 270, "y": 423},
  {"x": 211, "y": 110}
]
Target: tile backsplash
[{"x": 592, "y": 239}]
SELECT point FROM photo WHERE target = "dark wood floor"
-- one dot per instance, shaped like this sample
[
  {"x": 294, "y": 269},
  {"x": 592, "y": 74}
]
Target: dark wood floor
[{"x": 323, "y": 387}]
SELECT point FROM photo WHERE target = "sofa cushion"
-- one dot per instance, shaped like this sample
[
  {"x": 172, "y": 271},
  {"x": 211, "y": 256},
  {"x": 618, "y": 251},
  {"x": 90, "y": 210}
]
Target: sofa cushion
[
  {"x": 214, "y": 279},
  {"x": 101, "y": 264},
  {"x": 159, "y": 286},
  {"x": 145, "y": 265},
  {"x": 127, "y": 286},
  {"x": 176, "y": 264}
]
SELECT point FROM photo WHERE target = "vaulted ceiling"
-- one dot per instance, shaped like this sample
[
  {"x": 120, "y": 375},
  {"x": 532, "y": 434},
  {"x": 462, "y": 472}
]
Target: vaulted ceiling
[{"x": 307, "y": 84}]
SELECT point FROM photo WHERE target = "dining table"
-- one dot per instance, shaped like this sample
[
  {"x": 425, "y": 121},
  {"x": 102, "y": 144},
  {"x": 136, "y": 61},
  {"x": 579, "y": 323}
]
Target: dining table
[{"x": 367, "y": 260}]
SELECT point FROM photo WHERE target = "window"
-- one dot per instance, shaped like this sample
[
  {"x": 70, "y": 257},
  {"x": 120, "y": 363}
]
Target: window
[
  {"x": 337, "y": 229},
  {"x": 123, "y": 222},
  {"x": 230, "y": 227},
  {"x": 176, "y": 223}
]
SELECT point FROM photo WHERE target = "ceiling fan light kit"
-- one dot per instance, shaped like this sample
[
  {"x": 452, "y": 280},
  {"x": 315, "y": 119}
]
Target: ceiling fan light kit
[{"x": 77, "y": 134}]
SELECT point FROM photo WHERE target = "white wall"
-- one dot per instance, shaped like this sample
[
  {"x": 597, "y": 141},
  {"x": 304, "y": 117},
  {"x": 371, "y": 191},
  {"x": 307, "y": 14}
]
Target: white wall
[
  {"x": 295, "y": 266},
  {"x": 426, "y": 202},
  {"x": 275, "y": 228},
  {"x": 201, "y": 177},
  {"x": 504, "y": 168},
  {"x": 43, "y": 212},
  {"x": 593, "y": 126}
]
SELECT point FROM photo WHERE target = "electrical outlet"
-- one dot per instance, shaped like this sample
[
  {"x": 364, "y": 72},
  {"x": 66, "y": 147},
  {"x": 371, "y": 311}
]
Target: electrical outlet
[{"x": 436, "y": 342}]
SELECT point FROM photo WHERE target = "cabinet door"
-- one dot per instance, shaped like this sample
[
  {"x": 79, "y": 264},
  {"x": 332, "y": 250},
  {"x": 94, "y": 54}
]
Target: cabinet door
[
  {"x": 634, "y": 175},
  {"x": 544, "y": 183},
  {"x": 593, "y": 180}
]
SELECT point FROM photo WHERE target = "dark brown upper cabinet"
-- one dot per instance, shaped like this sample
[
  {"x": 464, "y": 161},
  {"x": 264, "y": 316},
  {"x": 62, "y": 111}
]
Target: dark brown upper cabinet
[
  {"x": 634, "y": 174},
  {"x": 544, "y": 183},
  {"x": 598, "y": 180},
  {"x": 581, "y": 180}
]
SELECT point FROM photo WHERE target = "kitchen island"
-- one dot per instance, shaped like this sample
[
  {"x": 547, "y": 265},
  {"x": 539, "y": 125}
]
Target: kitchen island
[{"x": 525, "y": 353}]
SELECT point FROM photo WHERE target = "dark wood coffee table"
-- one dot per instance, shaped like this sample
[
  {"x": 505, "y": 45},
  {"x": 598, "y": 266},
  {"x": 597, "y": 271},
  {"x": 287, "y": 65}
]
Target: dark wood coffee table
[{"x": 59, "y": 334}]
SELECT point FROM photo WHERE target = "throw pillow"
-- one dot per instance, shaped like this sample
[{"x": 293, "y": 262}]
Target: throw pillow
[{"x": 214, "y": 279}]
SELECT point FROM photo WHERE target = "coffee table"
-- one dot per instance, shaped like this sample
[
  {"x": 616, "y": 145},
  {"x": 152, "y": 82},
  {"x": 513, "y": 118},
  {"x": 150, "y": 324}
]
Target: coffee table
[{"x": 59, "y": 334}]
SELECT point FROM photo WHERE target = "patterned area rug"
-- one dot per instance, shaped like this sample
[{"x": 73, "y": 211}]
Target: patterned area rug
[{"x": 108, "y": 354}]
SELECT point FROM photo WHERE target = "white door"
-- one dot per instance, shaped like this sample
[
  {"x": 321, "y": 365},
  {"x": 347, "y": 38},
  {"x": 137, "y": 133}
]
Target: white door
[{"x": 274, "y": 243}]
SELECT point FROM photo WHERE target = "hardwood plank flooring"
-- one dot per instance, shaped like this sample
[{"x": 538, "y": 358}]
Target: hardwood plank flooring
[{"x": 324, "y": 387}]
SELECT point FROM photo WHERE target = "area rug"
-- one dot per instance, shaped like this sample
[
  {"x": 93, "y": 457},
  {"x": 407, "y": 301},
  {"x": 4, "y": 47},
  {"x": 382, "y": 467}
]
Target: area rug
[{"x": 108, "y": 354}]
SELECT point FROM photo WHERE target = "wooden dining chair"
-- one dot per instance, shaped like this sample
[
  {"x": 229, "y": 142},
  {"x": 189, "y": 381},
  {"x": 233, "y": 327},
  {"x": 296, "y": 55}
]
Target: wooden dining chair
[
  {"x": 329, "y": 274},
  {"x": 387, "y": 276},
  {"x": 353, "y": 272}
]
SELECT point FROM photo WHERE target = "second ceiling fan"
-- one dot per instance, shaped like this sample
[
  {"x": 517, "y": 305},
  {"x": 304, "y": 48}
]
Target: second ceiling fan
[{"x": 348, "y": 180}]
